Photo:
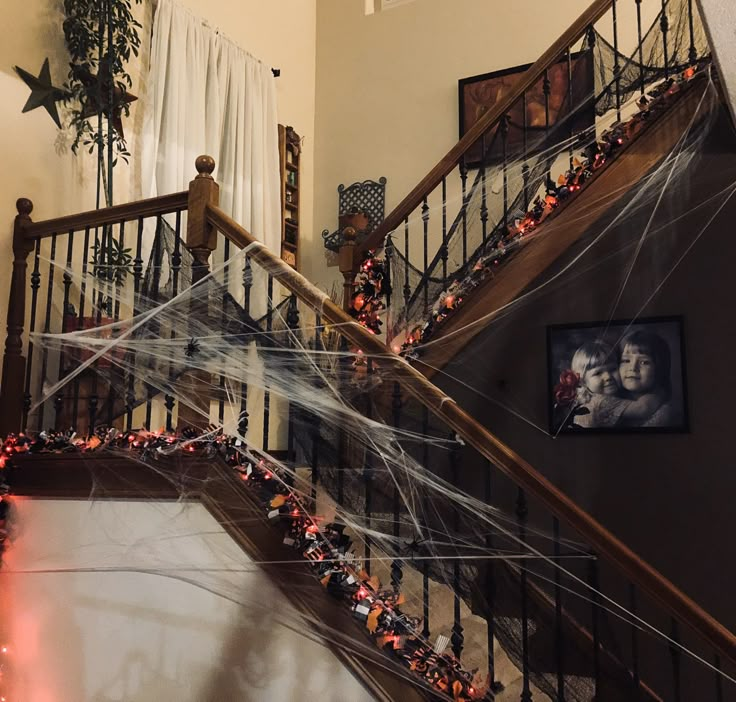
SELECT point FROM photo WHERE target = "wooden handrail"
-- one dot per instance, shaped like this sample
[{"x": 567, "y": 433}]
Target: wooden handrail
[
  {"x": 637, "y": 571},
  {"x": 499, "y": 109},
  {"x": 165, "y": 204}
]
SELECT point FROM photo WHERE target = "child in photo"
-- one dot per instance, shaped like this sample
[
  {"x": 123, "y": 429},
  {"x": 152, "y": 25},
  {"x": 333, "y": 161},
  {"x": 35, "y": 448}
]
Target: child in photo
[
  {"x": 644, "y": 368},
  {"x": 599, "y": 392}
]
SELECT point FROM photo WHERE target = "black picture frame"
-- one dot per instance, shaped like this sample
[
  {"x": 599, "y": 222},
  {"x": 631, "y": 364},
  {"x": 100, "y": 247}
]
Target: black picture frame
[
  {"x": 477, "y": 94},
  {"x": 651, "y": 373}
]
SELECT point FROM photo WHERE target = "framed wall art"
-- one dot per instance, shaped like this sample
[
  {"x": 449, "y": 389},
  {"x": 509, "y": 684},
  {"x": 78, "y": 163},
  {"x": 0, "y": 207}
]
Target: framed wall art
[
  {"x": 618, "y": 376},
  {"x": 478, "y": 94}
]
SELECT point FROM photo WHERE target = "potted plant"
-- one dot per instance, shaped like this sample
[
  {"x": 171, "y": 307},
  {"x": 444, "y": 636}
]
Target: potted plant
[{"x": 100, "y": 37}]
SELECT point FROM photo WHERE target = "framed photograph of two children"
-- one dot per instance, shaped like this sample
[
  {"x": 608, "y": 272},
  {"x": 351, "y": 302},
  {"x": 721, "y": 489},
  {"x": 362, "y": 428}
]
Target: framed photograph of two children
[{"x": 617, "y": 376}]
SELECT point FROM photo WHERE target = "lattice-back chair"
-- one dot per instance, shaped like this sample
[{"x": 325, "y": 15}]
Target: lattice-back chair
[{"x": 367, "y": 198}]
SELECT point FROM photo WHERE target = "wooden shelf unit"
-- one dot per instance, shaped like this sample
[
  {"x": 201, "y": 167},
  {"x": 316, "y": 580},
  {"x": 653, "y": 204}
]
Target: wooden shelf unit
[{"x": 289, "y": 157}]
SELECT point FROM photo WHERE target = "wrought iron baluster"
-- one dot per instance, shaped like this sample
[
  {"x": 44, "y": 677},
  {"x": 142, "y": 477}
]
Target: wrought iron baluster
[
  {"x": 292, "y": 322},
  {"x": 483, "y": 190},
  {"x": 692, "y": 52},
  {"x": 664, "y": 25},
  {"x": 388, "y": 251},
  {"x": 640, "y": 39},
  {"x": 635, "y": 678},
  {"x": 676, "y": 657},
  {"x": 616, "y": 63},
  {"x": 118, "y": 275},
  {"x": 494, "y": 685},
  {"x": 559, "y": 639},
  {"x": 67, "y": 278},
  {"x": 267, "y": 393},
  {"x": 425, "y": 562},
  {"x": 464, "y": 191},
  {"x": 154, "y": 293},
  {"x": 315, "y": 434},
  {"x": 175, "y": 269},
  {"x": 396, "y": 570},
  {"x": 595, "y": 611},
  {"x": 35, "y": 285},
  {"x": 525, "y": 150},
  {"x": 368, "y": 477},
  {"x": 546, "y": 85},
  {"x": 456, "y": 639},
  {"x": 407, "y": 287},
  {"x": 719, "y": 678},
  {"x": 243, "y": 416},
  {"x": 546, "y": 90},
  {"x": 522, "y": 512},
  {"x": 226, "y": 290},
  {"x": 47, "y": 324},
  {"x": 504, "y": 127},
  {"x": 425, "y": 236},
  {"x": 444, "y": 233},
  {"x": 137, "y": 276},
  {"x": 80, "y": 317},
  {"x": 570, "y": 111}
]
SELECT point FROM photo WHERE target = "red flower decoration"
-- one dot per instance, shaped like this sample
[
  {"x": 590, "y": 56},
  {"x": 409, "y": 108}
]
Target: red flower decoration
[{"x": 566, "y": 389}]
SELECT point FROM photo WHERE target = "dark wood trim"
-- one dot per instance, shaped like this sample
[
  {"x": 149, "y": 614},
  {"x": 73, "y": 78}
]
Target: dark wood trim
[
  {"x": 448, "y": 162},
  {"x": 165, "y": 204},
  {"x": 14, "y": 362},
  {"x": 674, "y": 601}
]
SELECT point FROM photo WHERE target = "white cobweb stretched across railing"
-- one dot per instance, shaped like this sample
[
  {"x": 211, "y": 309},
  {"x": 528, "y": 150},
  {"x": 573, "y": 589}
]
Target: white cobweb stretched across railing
[
  {"x": 477, "y": 231},
  {"x": 320, "y": 390}
]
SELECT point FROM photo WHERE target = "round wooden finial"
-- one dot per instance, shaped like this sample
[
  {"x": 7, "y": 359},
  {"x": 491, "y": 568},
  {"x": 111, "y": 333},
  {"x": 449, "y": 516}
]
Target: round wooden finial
[
  {"x": 24, "y": 206},
  {"x": 205, "y": 165},
  {"x": 349, "y": 234}
]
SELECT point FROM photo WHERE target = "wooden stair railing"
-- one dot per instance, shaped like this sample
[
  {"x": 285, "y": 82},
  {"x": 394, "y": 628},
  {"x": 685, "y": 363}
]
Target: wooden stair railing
[
  {"x": 485, "y": 123},
  {"x": 676, "y": 603},
  {"x": 27, "y": 235}
]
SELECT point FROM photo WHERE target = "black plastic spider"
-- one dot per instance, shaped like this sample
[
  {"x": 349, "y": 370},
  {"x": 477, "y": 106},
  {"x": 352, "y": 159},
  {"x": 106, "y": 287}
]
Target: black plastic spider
[{"x": 192, "y": 348}]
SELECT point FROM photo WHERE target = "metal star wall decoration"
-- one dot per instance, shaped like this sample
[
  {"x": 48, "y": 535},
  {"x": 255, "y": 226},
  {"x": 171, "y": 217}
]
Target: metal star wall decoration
[
  {"x": 43, "y": 93},
  {"x": 98, "y": 99}
]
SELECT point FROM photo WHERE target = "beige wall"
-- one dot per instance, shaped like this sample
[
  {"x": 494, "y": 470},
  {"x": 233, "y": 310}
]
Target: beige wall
[
  {"x": 387, "y": 83},
  {"x": 387, "y": 93},
  {"x": 281, "y": 33}
]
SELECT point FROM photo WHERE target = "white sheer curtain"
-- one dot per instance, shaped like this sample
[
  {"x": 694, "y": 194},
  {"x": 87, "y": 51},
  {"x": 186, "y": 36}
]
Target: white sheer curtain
[{"x": 207, "y": 95}]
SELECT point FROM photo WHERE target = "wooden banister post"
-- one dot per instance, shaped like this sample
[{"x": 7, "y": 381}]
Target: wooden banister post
[
  {"x": 14, "y": 362},
  {"x": 201, "y": 236},
  {"x": 347, "y": 265},
  {"x": 201, "y": 240}
]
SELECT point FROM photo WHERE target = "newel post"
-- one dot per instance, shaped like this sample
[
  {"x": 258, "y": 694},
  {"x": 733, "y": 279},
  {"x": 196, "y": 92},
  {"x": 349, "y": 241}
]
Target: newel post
[
  {"x": 14, "y": 362},
  {"x": 347, "y": 265},
  {"x": 201, "y": 240},
  {"x": 201, "y": 236}
]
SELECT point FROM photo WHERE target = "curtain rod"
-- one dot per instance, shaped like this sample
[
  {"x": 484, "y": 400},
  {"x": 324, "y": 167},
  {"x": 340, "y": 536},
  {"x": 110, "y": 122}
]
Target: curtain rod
[{"x": 276, "y": 72}]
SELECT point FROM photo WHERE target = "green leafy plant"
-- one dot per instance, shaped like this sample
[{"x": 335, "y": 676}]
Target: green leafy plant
[
  {"x": 111, "y": 264},
  {"x": 110, "y": 261},
  {"x": 101, "y": 36}
]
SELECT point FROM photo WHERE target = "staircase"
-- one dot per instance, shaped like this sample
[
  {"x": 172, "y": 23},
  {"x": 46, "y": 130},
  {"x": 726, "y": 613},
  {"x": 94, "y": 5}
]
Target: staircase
[{"x": 557, "y": 606}]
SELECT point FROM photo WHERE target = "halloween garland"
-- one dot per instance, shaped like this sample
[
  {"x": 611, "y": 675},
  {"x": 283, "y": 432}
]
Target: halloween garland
[
  {"x": 595, "y": 157},
  {"x": 326, "y": 547}
]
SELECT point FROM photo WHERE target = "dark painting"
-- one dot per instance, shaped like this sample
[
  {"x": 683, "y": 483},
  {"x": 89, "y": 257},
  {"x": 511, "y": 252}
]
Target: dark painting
[{"x": 549, "y": 116}]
